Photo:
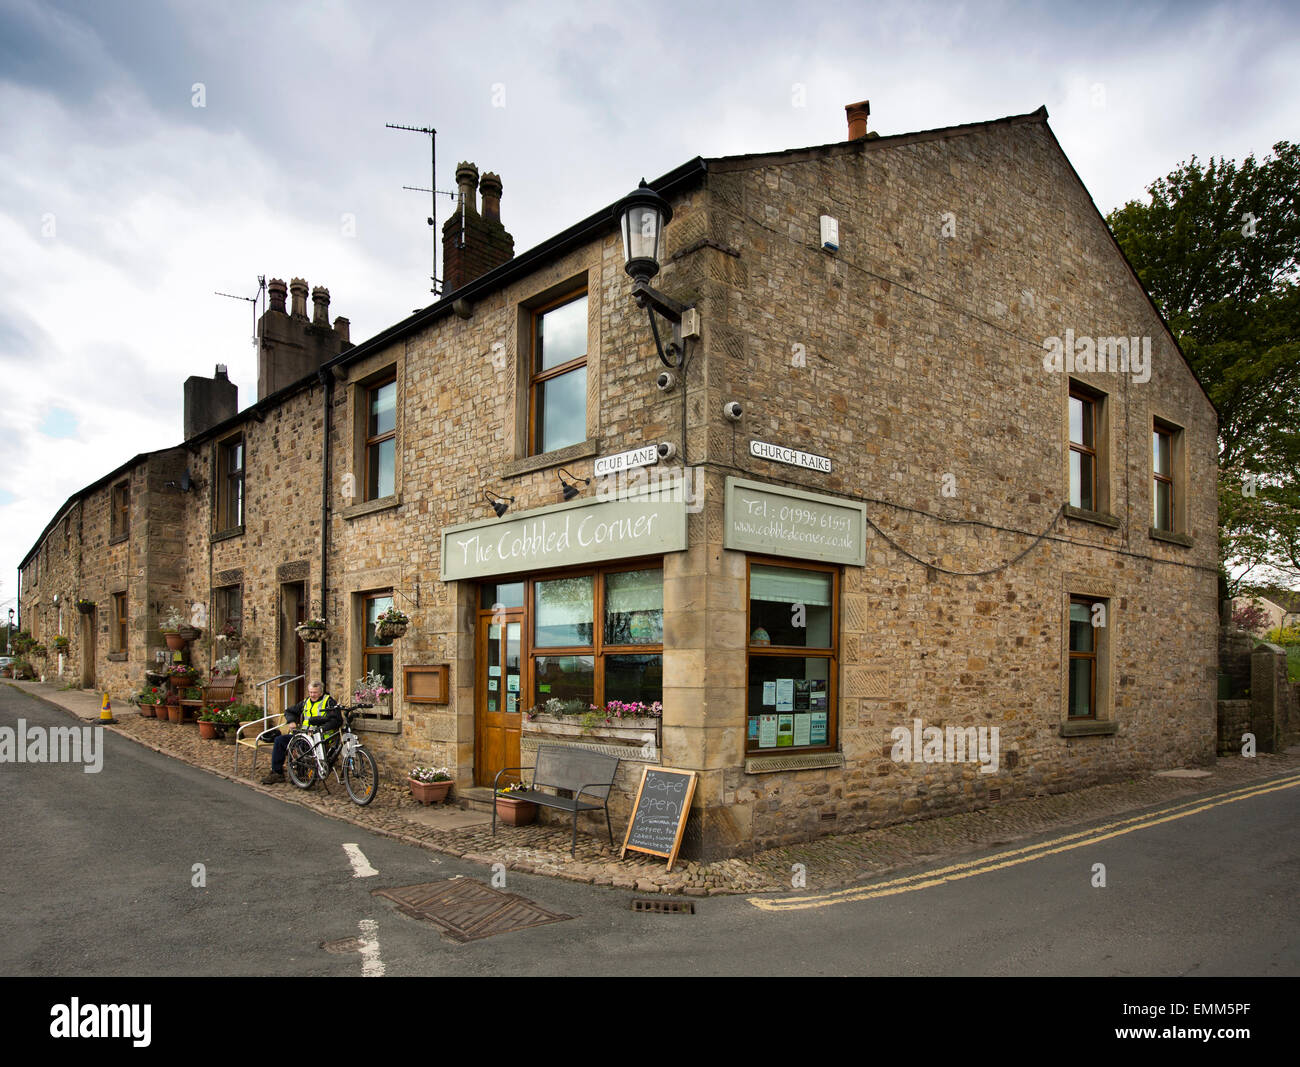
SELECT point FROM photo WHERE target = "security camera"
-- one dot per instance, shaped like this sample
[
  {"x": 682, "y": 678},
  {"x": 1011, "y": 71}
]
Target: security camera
[
  {"x": 732, "y": 410},
  {"x": 667, "y": 381},
  {"x": 666, "y": 449}
]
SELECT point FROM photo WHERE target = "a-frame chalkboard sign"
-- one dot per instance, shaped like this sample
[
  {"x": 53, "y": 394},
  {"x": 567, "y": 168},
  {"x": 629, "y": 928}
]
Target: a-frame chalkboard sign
[{"x": 663, "y": 803}]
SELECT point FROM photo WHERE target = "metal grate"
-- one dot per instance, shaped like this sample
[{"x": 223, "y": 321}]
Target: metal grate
[
  {"x": 995, "y": 794},
  {"x": 466, "y": 910},
  {"x": 664, "y": 907}
]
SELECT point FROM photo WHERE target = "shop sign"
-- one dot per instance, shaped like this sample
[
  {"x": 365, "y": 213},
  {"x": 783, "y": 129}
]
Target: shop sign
[
  {"x": 792, "y": 456},
  {"x": 637, "y": 457},
  {"x": 776, "y": 521},
  {"x": 564, "y": 535}
]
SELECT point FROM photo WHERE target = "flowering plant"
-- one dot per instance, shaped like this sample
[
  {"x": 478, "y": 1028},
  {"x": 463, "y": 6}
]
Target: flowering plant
[
  {"x": 61, "y": 643},
  {"x": 430, "y": 774},
  {"x": 83, "y": 604},
  {"x": 180, "y": 670},
  {"x": 370, "y": 688},
  {"x": 619, "y": 709},
  {"x": 151, "y": 697},
  {"x": 313, "y": 623},
  {"x": 228, "y": 664},
  {"x": 172, "y": 620},
  {"x": 394, "y": 617},
  {"x": 514, "y": 787},
  {"x": 228, "y": 633}
]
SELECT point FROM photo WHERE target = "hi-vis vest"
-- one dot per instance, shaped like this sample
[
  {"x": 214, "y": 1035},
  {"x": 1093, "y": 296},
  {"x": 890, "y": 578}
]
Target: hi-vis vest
[{"x": 314, "y": 709}]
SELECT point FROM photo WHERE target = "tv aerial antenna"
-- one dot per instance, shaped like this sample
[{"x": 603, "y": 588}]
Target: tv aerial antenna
[
  {"x": 433, "y": 191},
  {"x": 261, "y": 291}
]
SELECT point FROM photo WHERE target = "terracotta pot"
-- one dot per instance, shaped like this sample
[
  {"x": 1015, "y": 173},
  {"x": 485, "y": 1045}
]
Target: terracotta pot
[
  {"x": 430, "y": 792},
  {"x": 175, "y": 713},
  {"x": 516, "y": 812},
  {"x": 147, "y": 710},
  {"x": 175, "y": 641},
  {"x": 207, "y": 730}
]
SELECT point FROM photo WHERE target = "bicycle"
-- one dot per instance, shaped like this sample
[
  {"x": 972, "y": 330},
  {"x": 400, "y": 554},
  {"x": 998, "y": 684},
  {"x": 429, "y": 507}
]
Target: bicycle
[{"x": 311, "y": 757}]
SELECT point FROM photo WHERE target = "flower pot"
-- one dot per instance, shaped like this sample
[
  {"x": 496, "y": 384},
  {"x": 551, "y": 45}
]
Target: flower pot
[
  {"x": 174, "y": 641},
  {"x": 147, "y": 710},
  {"x": 311, "y": 634},
  {"x": 430, "y": 792},
  {"x": 207, "y": 730},
  {"x": 175, "y": 713},
  {"x": 515, "y": 812},
  {"x": 190, "y": 633},
  {"x": 389, "y": 631}
]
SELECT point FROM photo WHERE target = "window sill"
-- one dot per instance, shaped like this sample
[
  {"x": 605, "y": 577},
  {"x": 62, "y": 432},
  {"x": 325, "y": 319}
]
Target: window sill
[
  {"x": 1089, "y": 728},
  {"x": 558, "y": 458},
  {"x": 1101, "y": 518},
  {"x": 226, "y": 535},
  {"x": 116, "y": 657},
  {"x": 1171, "y": 537},
  {"x": 377, "y": 726},
  {"x": 119, "y": 538},
  {"x": 796, "y": 761},
  {"x": 369, "y": 507}
]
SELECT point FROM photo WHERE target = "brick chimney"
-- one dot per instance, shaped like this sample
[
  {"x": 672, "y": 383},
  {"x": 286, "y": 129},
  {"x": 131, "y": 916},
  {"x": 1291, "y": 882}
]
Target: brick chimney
[
  {"x": 290, "y": 346},
  {"x": 857, "y": 114},
  {"x": 209, "y": 401},
  {"x": 474, "y": 243}
]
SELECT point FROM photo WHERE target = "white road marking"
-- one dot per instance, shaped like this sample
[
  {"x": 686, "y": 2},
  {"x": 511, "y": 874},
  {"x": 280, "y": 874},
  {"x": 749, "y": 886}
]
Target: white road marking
[
  {"x": 371, "y": 965},
  {"x": 360, "y": 865}
]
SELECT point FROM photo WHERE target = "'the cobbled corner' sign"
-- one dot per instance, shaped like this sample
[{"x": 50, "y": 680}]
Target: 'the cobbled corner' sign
[
  {"x": 637, "y": 457},
  {"x": 777, "y": 521},
  {"x": 792, "y": 456},
  {"x": 562, "y": 535}
]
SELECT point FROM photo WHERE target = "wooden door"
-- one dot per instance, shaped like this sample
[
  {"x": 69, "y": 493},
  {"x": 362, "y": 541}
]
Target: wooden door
[
  {"x": 293, "y": 650},
  {"x": 499, "y": 697},
  {"x": 88, "y": 650}
]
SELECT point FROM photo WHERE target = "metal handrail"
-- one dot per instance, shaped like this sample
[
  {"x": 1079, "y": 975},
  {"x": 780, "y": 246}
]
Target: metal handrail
[{"x": 290, "y": 679}]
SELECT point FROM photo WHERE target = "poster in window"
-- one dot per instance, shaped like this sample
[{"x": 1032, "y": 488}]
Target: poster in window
[
  {"x": 784, "y": 731},
  {"x": 493, "y": 670},
  {"x": 801, "y": 695},
  {"x": 492, "y": 685},
  {"x": 492, "y": 703},
  {"x": 767, "y": 731},
  {"x": 817, "y": 733},
  {"x": 512, "y": 702},
  {"x": 769, "y": 694},
  {"x": 512, "y": 682},
  {"x": 802, "y": 729},
  {"x": 753, "y": 728},
  {"x": 817, "y": 694},
  {"x": 785, "y": 694}
]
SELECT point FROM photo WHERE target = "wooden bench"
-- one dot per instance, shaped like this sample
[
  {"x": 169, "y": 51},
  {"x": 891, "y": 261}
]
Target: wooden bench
[{"x": 570, "y": 768}]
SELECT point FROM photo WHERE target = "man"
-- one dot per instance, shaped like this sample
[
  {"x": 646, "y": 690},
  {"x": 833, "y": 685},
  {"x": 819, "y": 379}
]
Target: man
[{"x": 317, "y": 710}]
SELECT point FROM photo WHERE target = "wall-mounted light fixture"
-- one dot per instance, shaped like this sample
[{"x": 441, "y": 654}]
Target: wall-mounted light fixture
[
  {"x": 570, "y": 491},
  {"x": 643, "y": 214},
  {"x": 500, "y": 504}
]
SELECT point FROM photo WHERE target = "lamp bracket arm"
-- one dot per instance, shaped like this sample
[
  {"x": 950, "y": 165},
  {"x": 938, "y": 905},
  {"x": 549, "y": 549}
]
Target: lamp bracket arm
[{"x": 647, "y": 296}]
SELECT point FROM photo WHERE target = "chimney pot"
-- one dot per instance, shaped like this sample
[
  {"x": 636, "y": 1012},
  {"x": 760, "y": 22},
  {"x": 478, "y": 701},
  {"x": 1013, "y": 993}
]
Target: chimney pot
[
  {"x": 857, "y": 114},
  {"x": 298, "y": 290},
  {"x": 467, "y": 181},
  {"x": 277, "y": 291},
  {"x": 221, "y": 371},
  {"x": 490, "y": 188},
  {"x": 320, "y": 298},
  {"x": 341, "y": 327}
]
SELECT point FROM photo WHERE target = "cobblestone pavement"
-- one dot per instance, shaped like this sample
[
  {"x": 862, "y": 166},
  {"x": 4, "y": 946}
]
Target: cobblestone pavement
[{"x": 544, "y": 849}]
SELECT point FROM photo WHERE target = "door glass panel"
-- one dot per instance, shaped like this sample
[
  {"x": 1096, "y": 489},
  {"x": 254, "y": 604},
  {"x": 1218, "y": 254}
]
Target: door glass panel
[
  {"x": 494, "y": 682},
  {"x": 513, "y": 664}
]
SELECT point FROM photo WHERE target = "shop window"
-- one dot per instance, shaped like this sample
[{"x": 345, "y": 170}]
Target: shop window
[
  {"x": 230, "y": 484},
  {"x": 557, "y": 384},
  {"x": 117, "y": 642},
  {"x": 376, "y": 651},
  {"x": 1166, "y": 487},
  {"x": 381, "y": 439},
  {"x": 792, "y": 654},
  {"x": 1087, "y": 624},
  {"x": 120, "y": 513},
  {"x": 578, "y": 661},
  {"x": 1089, "y": 488}
]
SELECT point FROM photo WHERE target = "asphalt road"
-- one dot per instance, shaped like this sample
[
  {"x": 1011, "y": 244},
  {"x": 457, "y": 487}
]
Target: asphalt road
[{"x": 99, "y": 879}]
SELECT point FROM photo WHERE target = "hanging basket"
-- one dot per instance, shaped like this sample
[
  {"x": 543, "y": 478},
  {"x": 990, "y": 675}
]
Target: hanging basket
[
  {"x": 389, "y": 631},
  {"x": 85, "y": 606},
  {"x": 311, "y": 634}
]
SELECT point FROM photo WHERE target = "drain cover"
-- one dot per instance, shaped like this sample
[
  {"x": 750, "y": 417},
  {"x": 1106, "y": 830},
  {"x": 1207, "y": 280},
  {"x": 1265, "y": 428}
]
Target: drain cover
[
  {"x": 665, "y": 907},
  {"x": 466, "y": 910},
  {"x": 342, "y": 947}
]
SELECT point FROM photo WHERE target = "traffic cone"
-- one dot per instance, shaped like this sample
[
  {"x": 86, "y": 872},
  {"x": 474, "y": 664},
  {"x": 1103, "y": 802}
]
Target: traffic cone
[{"x": 106, "y": 713}]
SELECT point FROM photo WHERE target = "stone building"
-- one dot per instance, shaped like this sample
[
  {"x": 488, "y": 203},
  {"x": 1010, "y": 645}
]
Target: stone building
[{"x": 931, "y": 523}]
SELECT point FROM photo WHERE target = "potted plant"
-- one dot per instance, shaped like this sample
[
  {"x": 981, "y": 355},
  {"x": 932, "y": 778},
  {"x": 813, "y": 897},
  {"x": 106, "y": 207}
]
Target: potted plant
[
  {"x": 372, "y": 688},
  {"x": 170, "y": 625},
  {"x": 312, "y": 629},
  {"x": 227, "y": 665},
  {"x": 84, "y": 606},
  {"x": 208, "y": 729},
  {"x": 229, "y": 637},
  {"x": 391, "y": 624},
  {"x": 181, "y": 674},
  {"x": 172, "y": 702},
  {"x": 512, "y": 809},
  {"x": 61, "y": 645},
  {"x": 430, "y": 785},
  {"x": 148, "y": 701}
]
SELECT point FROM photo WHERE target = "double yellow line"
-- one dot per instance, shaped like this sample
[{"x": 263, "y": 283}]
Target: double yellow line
[{"x": 997, "y": 862}]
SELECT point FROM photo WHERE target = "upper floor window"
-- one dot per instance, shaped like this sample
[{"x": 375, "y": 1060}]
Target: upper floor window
[
  {"x": 117, "y": 636},
  {"x": 1166, "y": 483},
  {"x": 230, "y": 484},
  {"x": 381, "y": 440},
  {"x": 120, "y": 513},
  {"x": 1083, "y": 452},
  {"x": 557, "y": 383}
]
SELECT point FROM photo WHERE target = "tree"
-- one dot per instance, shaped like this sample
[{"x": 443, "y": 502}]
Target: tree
[{"x": 1218, "y": 248}]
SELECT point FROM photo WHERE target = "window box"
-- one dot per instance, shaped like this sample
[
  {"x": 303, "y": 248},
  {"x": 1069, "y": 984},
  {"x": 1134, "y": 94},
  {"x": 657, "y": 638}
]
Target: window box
[{"x": 636, "y": 734}]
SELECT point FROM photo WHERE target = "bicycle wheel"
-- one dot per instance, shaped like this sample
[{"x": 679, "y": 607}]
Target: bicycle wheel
[
  {"x": 301, "y": 762},
  {"x": 360, "y": 776}
]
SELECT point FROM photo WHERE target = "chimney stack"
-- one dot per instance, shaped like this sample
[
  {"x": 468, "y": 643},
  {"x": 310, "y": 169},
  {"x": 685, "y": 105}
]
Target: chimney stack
[
  {"x": 320, "y": 299},
  {"x": 474, "y": 243},
  {"x": 290, "y": 347},
  {"x": 857, "y": 114},
  {"x": 209, "y": 401},
  {"x": 277, "y": 291}
]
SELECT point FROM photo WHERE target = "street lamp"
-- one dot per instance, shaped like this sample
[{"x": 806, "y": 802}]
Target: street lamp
[
  {"x": 643, "y": 214},
  {"x": 9, "y": 634}
]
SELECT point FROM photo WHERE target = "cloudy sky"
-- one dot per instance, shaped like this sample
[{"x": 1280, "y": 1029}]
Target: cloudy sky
[{"x": 154, "y": 153}]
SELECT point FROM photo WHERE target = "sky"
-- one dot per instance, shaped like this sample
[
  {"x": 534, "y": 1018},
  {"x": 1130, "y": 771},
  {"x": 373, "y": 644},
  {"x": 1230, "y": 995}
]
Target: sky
[{"x": 156, "y": 153}]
